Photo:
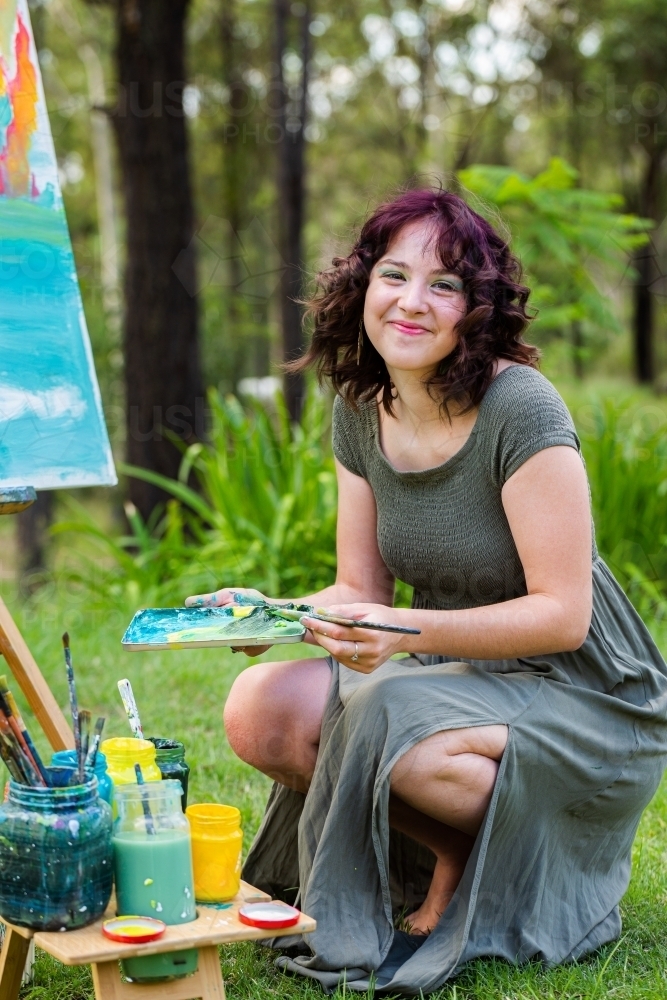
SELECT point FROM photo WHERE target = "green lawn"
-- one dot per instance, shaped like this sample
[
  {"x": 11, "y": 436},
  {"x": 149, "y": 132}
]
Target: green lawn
[{"x": 182, "y": 693}]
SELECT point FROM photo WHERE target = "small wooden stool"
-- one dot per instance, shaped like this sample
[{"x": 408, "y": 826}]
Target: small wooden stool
[{"x": 88, "y": 946}]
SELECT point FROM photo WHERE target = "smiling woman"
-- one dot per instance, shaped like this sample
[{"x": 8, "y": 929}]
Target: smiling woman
[{"x": 489, "y": 784}]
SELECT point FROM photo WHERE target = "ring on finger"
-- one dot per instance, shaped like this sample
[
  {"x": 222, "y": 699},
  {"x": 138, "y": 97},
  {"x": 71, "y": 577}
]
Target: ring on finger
[{"x": 356, "y": 653}]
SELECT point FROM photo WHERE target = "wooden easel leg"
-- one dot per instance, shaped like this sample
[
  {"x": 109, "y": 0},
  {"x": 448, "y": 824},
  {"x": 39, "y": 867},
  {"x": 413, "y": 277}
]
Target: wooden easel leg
[
  {"x": 205, "y": 984},
  {"x": 38, "y": 693},
  {"x": 12, "y": 963}
]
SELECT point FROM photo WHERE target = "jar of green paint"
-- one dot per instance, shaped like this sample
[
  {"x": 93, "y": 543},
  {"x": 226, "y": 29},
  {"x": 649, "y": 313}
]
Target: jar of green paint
[
  {"x": 56, "y": 861},
  {"x": 153, "y": 868},
  {"x": 170, "y": 758}
]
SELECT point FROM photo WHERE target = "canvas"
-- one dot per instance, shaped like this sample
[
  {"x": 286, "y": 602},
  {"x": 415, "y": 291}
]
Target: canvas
[{"x": 52, "y": 431}]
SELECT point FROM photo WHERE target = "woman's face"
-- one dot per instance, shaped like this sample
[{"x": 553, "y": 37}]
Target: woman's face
[{"x": 413, "y": 304}]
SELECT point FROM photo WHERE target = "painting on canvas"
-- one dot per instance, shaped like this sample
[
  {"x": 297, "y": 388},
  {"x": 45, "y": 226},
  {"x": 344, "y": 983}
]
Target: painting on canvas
[{"x": 52, "y": 431}]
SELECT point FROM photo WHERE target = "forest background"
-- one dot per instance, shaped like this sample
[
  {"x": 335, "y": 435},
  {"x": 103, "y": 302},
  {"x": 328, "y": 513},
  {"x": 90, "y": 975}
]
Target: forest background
[{"x": 213, "y": 155}]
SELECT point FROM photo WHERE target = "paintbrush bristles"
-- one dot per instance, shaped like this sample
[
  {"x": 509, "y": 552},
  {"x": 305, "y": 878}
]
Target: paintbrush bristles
[{"x": 66, "y": 640}]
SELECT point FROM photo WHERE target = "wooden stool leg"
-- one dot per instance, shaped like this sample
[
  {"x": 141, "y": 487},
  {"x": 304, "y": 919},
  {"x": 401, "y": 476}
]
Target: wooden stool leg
[
  {"x": 211, "y": 975},
  {"x": 205, "y": 984},
  {"x": 12, "y": 963}
]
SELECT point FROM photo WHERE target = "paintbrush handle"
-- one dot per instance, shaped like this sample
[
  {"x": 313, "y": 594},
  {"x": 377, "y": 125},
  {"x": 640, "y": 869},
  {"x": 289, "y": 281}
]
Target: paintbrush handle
[
  {"x": 150, "y": 825},
  {"x": 362, "y": 623},
  {"x": 130, "y": 706}
]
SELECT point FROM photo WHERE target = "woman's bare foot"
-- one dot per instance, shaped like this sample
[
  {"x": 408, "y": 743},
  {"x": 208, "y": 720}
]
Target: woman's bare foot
[{"x": 446, "y": 876}]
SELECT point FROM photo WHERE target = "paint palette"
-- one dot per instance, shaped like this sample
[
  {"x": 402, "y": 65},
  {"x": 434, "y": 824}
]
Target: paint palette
[{"x": 192, "y": 628}]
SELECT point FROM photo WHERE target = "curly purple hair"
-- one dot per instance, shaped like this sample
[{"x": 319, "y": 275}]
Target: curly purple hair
[{"x": 491, "y": 328}]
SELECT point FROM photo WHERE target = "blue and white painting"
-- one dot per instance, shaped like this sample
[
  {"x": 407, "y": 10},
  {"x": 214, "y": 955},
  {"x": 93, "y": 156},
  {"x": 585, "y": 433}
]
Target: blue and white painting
[{"x": 52, "y": 430}]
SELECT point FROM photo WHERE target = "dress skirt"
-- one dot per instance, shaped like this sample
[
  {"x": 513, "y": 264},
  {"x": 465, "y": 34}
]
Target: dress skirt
[{"x": 586, "y": 751}]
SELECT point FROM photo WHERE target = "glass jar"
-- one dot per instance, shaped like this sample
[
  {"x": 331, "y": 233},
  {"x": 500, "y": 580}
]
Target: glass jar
[
  {"x": 56, "y": 867},
  {"x": 153, "y": 869},
  {"x": 217, "y": 841},
  {"x": 104, "y": 786},
  {"x": 123, "y": 752},
  {"x": 170, "y": 758}
]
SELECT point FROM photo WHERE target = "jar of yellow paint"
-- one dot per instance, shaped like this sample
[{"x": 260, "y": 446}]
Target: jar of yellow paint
[
  {"x": 217, "y": 840},
  {"x": 123, "y": 752}
]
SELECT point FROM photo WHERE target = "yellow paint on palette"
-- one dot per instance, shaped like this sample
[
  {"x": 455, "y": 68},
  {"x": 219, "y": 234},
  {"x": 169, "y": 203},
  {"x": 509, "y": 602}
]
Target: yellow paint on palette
[{"x": 199, "y": 634}]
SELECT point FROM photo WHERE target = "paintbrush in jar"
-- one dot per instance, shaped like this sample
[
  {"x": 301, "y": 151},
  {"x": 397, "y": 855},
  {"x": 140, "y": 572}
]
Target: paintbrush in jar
[
  {"x": 22, "y": 730},
  {"x": 84, "y": 729},
  {"x": 73, "y": 703},
  {"x": 150, "y": 825},
  {"x": 130, "y": 706},
  {"x": 95, "y": 745},
  {"x": 21, "y": 761},
  {"x": 12, "y": 766},
  {"x": 27, "y": 760}
]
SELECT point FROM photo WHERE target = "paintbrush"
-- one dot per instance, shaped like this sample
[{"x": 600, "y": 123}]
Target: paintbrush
[
  {"x": 14, "y": 748},
  {"x": 150, "y": 825},
  {"x": 27, "y": 761},
  {"x": 73, "y": 703},
  {"x": 95, "y": 745},
  {"x": 11, "y": 764},
  {"x": 131, "y": 710},
  {"x": 323, "y": 615},
  {"x": 84, "y": 729},
  {"x": 29, "y": 747}
]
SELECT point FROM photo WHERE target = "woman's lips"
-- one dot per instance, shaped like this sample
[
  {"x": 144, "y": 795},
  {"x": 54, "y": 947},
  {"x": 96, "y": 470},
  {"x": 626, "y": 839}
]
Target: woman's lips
[{"x": 411, "y": 329}]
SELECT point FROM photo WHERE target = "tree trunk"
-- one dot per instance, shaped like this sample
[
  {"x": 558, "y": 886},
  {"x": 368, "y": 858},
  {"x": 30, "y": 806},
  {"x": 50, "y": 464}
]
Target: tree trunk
[
  {"x": 646, "y": 269},
  {"x": 291, "y": 114},
  {"x": 32, "y": 535},
  {"x": 162, "y": 364}
]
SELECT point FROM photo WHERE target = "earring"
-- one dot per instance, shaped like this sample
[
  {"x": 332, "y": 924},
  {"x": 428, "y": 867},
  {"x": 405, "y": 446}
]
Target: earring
[{"x": 360, "y": 340}]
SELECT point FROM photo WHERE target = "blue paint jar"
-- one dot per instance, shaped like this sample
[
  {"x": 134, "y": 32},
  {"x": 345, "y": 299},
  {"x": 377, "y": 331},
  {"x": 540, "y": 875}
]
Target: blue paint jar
[
  {"x": 104, "y": 784},
  {"x": 56, "y": 858}
]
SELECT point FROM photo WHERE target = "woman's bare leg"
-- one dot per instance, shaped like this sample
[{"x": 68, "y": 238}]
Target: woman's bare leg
[
  {"x": 452, "y": 850},
  {"x": 273, "y": 717},
  {"x": 446, "y": 783},
  {"x": 440, "y": 788}
]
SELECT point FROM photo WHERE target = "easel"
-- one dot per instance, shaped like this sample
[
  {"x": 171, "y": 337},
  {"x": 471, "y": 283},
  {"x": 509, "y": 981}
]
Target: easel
[
  {"x": 21, "y": 662},
  {"x": 88, "y": 946}
]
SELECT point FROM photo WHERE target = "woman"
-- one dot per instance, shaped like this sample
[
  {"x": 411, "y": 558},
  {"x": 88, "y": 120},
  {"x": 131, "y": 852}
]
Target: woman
[{"x": 490, "y": 784}]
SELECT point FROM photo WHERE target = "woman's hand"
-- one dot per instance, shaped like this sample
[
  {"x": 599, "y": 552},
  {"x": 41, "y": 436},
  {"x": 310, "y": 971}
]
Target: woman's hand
[
  {"x": 223, "y": 598},
  {"x": 358, "y": 648}
]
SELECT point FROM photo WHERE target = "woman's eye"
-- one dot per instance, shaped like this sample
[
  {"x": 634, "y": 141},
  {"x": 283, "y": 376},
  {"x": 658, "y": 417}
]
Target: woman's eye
[
  {"x": 392, "y": 274},
  {"x": 448, "y": 286}
]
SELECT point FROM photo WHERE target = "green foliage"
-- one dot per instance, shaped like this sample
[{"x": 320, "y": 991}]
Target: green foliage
[
  {"x": 625, "y": 447},
  {"x": 572, "y": 243},
  {"x": 264, "y": 513}
]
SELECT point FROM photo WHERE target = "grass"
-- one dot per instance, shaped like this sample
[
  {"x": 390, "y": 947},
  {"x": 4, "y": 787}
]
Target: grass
[
  {"x": 182, "y": 694},
  {"x": 256, "y": 524}
]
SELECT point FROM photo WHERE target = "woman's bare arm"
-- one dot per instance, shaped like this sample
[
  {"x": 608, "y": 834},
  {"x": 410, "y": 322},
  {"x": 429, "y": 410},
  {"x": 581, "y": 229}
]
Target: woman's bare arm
[{"x": 547, "y": 506}]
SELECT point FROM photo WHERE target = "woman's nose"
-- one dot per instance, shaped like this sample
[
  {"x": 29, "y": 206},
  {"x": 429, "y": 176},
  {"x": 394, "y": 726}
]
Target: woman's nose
[{"x": 413, "y": 297}]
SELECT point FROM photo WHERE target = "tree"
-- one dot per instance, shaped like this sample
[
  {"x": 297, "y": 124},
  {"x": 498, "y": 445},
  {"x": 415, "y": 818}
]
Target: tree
[
  {"x": 609, "y": 59},
  {"x": 163, "y": 381},
  {"x": 291, "y": 106},
  {"x": 563, "y": 234}
]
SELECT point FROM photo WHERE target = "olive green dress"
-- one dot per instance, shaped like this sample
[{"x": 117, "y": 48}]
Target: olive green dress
[{"x": 587, "y": 737}]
